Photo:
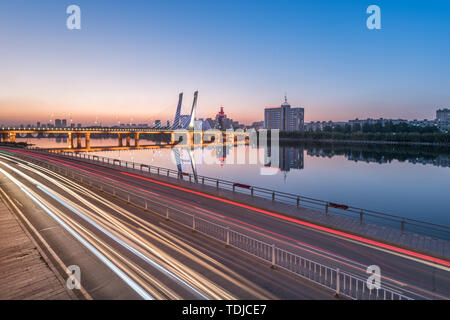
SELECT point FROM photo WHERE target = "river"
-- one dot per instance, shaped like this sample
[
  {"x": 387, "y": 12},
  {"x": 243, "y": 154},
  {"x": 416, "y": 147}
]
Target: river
[{"x": 410, "y": 181}]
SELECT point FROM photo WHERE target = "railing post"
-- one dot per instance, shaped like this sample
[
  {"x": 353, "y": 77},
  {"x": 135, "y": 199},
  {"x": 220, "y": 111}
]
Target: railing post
[
  {"x": 234, "y": 187},
  {"x": 251, "y": 190},
  {"x": 228, "y": 236},
  {"x": 273, "y": 196},
  {"x": 167, "y": 213},
  {"x": 298, "y": 202},
  {"x": 128, "y": 200},
  {"x": 193, "y": 222},
  {"x": 273, "y": 256},
  {"x": 146, "y": 205},
  {"x": 326, "y": 209},
  {"x": 338, "y": 282},
  {"x": 403, "y": 224},
  {"x": 114, "y": 192},
  {"x": 217, "y": 183},
  {"x": 361, "y": 217}
]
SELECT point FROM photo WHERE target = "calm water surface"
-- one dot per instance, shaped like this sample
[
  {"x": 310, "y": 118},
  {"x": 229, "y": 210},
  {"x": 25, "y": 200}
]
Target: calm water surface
[{"x": 403, "y": 180}]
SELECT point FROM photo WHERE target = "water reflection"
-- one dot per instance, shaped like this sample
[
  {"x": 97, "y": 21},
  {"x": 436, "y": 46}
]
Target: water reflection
[
  {"x": 179, "y": 161},
  {"x": 288, "y": 158},
  {"x": 291, "y": 155},
  {"x": 382, "y": 154}
]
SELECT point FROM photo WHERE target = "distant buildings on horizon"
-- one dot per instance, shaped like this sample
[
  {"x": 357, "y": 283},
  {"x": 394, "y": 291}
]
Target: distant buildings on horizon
[
  {"x": 442, "y": 121},
  {"x": 284, "y": 117}
]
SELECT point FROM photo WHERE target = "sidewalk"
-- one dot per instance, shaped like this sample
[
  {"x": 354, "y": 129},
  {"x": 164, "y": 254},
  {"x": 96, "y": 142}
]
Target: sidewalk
[{"x": 24, "y": 273}]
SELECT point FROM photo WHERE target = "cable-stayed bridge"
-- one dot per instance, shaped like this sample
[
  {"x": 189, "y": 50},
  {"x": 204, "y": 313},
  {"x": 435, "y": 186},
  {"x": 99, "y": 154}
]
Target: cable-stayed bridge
[{"x": 181, "y": 125}]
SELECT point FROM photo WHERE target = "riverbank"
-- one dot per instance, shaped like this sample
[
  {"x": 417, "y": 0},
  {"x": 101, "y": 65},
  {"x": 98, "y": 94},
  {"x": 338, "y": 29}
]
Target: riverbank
[{"x": 412, "y": 143}]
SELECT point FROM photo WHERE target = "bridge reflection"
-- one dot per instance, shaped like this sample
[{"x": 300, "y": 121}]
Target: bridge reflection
[{"x": 109, "y": 148}]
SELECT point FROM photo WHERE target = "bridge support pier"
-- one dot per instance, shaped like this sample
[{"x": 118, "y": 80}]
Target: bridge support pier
[
  {"x": 70, "y": 137},
  {"x": 87, "y": 140},
  {"x": 136, "y": 139},
  {"x": 79, "y": 140},
  {"x": 12, "y": 137},
  {"x": 127, "y": 138},
  {"x": 119, "y": 135}
]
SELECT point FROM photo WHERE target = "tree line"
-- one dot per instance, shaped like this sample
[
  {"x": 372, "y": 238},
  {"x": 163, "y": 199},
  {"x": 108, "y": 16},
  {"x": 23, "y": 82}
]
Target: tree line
[{"x": 390, "y": 132}]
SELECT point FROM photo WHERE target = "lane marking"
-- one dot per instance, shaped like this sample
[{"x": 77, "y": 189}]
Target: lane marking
[
  {"x": 310, "y": 225},
  {"x": 109, "y": 234},
  {"x": 138, "y": 289}
]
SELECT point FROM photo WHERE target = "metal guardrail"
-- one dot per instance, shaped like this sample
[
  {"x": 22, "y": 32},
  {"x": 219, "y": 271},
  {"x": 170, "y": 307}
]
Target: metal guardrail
[
  {"x": 326, "y": 207},
  {"x": 340, "y": 282}
]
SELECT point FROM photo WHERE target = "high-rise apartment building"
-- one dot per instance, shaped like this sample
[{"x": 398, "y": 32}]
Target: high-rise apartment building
[
  {"x": 443, "y": 119},
  {"x": 284, "y": 118},
  {"x": 443, "y": 115}
]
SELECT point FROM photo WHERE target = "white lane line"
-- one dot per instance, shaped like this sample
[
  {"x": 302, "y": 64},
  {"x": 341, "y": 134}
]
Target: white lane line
[
  {"x": 123, "y": 243},
  {"x": 138, "y": 289},
  {"x": 109, "y": 234}
]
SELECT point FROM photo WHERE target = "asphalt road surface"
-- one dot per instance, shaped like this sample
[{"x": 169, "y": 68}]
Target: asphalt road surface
[{"x": 409, "y": 274}]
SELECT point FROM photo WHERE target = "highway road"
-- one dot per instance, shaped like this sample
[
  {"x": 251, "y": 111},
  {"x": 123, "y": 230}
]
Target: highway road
[
  {"x": 406, "y": 272},
  {"x": 126, "y": 253}
]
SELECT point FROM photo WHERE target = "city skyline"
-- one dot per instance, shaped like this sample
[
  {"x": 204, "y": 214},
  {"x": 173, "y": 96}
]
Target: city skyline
[
  {"x": 130, "y": 62},
  {"x": 439, "y": 115}
]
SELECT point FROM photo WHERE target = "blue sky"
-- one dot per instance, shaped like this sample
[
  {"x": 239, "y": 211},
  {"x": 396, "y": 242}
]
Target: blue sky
[{"x": 131, "y": 58}]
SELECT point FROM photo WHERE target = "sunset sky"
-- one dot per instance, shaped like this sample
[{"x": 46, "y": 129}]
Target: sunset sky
[{"x": 132, "y": 58}]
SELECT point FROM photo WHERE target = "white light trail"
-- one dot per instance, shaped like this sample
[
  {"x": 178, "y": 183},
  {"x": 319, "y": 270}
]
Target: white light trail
[{"x": 138, "y": 289}]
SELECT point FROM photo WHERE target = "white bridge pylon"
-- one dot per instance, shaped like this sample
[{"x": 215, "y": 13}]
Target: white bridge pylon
[{"x": 185, "y": 122}]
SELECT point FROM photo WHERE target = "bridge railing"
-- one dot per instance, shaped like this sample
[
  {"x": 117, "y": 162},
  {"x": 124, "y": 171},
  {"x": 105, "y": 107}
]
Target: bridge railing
[
  {"x": 83, "y": 129},
  {"x": 325, "y": 207},
  {"x": 343, "y": 284}
]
